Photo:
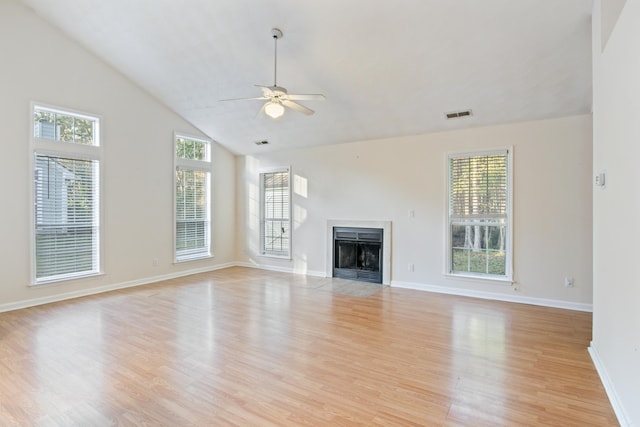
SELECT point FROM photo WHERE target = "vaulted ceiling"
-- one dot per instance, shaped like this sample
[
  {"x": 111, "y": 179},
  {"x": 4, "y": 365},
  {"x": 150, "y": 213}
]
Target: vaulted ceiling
[{"x": 386, "y": 68}]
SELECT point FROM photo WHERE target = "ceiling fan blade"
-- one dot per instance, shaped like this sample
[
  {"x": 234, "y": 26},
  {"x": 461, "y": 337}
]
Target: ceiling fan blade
[
  {"x": 266, "y": 90},
  {"x": 261, "y": 112},
  {"x": 245, "y": 99},
  {"x": 306, "y": 96},
  {"x": 297, "y": 107}
]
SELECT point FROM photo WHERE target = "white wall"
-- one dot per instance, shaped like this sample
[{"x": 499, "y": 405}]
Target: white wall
[
  {"x": 609, "y": 16},
  {"x": 616, "y": 150},
  {"x": 384, "y": 179},
  {"x": 40, "y": 64}
]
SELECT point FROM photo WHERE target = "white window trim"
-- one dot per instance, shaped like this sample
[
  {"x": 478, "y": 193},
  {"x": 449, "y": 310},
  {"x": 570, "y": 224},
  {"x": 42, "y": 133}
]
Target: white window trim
[
  {"x": 507, "y": 279},
  {"x": 40, "y": 146},
  {"x": 198, "y": 165},
  {"x": 262, "y": 252}
]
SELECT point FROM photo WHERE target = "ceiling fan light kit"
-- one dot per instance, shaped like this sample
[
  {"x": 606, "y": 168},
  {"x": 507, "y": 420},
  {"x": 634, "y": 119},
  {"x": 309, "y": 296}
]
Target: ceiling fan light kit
[
  {"x": 274, "y": 109},
  {"x": 276, "y": 96}
]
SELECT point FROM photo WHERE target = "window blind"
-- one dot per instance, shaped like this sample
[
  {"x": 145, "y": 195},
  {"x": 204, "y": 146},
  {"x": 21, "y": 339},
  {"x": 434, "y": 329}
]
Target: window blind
[
  {"x": 478, "y": 187},
  {"x": 192, "y": 214},
  {"x": 66, "y": 220},
  {"x": 276, "y": 213}
]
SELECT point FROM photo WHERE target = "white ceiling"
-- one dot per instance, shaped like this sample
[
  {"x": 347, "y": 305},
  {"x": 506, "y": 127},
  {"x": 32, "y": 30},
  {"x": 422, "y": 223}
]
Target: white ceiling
[{"x": 387, "y": 68}]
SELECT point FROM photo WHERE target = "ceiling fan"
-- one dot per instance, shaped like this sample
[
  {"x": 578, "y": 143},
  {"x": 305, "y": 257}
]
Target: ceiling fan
[{"x": 276, "y": 96}]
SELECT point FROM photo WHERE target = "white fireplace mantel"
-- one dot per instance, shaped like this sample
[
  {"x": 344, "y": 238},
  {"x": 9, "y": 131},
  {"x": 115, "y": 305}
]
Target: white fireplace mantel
[{"x": 386, "y": 244}]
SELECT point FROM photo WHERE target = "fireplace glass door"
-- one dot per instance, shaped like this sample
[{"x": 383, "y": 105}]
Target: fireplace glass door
[{"x": 358, "y": 254}]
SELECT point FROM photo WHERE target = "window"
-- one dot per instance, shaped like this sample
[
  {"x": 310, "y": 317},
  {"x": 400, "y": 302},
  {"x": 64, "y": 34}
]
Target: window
[
  {"x": 192, "y": 198},
  {"x": 66, "y": 182},
  {"x": 64, "y": 127},
  {"x": 275, "y": 213},
  {"x": 479, "y": 238}
]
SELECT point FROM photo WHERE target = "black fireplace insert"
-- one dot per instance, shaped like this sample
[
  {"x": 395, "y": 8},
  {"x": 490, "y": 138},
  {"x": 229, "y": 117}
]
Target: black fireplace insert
[{"x": 357, "y": 253}]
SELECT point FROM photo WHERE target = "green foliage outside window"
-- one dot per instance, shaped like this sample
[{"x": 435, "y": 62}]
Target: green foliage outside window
[
  {"x": 191, "y": 149},
  {"x": 64, "y": 127}
]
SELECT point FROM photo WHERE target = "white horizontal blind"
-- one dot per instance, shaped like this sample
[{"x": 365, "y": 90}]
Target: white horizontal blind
[
  {"x": 192, "y": 217},
  {"x": 66, "y": 228},
  {"x": 275, "y": 213},
  {"x": 478, "y": 186},
  {"x": 479, "y": 214},
  {"x": 192, "y": 199}
]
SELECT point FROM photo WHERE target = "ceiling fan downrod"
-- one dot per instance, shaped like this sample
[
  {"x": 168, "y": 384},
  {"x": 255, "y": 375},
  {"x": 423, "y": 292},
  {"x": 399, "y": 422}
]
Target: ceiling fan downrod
[{"x": 277, "y": 34}]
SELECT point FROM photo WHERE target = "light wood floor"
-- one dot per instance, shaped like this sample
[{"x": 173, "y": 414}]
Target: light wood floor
[{"x": 253, "y": 348}]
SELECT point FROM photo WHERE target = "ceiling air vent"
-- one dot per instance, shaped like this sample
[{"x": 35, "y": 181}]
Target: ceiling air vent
[
  {"x": 263, "y": 142},
  {"x": 458, "y": 114}
]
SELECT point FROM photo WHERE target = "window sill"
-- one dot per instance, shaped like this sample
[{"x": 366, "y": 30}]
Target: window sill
[
  {"x": 193, "y": 258},
  {"x": 285, "y": 257},
  {"x": 475, "y": 278},
  {"x": 65, "y": 279}
]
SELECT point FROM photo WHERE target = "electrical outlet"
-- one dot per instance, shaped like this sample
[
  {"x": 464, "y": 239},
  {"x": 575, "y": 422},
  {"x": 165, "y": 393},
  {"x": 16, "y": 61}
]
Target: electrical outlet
[
  {"x": 411, "y": 267},
  {"x": 154, "y": 262},
  {"x": 568, "y": 282}
]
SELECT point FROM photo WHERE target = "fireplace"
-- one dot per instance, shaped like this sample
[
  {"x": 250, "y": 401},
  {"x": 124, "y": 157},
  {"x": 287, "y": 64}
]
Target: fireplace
[
  {"x": 357, "y": 253},
  {"x": 385, "y": 256}
]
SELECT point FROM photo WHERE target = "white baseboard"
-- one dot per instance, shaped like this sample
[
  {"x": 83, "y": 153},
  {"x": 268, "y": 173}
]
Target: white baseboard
[
  {"x": 494, "y": 296},
  {"x": 16, "y": 305},
  {"x": 407, "y": 285},
  {"x": 281, "y": 269},
  {"x": 621, "y": 414},
  {"x": 106, "y": 288}
]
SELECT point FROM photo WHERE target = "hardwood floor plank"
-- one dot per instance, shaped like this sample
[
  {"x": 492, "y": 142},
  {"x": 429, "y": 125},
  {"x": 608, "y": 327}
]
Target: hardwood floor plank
[{"x": 248, "y": 347}]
